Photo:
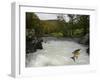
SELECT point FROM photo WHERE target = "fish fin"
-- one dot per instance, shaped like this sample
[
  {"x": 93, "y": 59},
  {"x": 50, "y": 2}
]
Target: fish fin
[{"x": 73, "y": 58}]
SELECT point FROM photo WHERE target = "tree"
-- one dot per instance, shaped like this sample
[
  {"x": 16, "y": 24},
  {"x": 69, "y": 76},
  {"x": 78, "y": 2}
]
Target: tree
[
  {"x": 83, "y": 22},
  {"x": 33, "y": 22},
  {"x": 61, "y": 17},
  {"x": 71, "y": 18}
]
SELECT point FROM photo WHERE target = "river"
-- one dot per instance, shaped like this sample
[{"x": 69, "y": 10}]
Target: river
[{"x": 57, "y": 52}]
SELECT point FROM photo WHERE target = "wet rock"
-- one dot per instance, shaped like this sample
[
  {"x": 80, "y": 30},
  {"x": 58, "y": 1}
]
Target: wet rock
[
  {"x": 30, "y": 47},
  {"x": 85, "y": 40},
  {"x": 39, "y": 44},
  {"x": 32, "y": 42},
  {"x": 88, "y": 52},
  {"x": 33, "y": 45}
]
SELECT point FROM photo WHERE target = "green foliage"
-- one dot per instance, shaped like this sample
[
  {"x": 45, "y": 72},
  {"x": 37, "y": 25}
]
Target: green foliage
[
  {"x": 30, "y": 33},
  {"x": 57, "y": 34},
  {"x": 83, "y": 22},
  {"x": 77, "y": 26},
  {"x": 78, "y": 32},
  {"x": 50, "y": 26},
  {"x": 33, "y": 22}
]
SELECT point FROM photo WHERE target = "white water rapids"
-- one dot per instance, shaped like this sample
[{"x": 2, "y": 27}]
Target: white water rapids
[{"x": 57, "y": 53}]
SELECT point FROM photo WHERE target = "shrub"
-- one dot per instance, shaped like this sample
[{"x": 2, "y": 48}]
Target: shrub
[{"x": 57, "y": 34}]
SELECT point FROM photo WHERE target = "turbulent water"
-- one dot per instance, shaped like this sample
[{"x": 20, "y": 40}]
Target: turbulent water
[{"x": 57, "y": 53}]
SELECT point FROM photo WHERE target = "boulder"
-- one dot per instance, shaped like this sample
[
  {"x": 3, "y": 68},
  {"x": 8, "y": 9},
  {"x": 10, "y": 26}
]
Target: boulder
[
  {"x": 33, "y": 44},
  {"x": 85, "y": 40},
  {"x": 88, "y": 51}
]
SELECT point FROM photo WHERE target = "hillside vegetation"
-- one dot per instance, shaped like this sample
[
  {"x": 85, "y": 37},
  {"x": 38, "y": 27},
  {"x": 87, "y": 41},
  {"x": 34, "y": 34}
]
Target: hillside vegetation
[{"x": 76, "y": 27}]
